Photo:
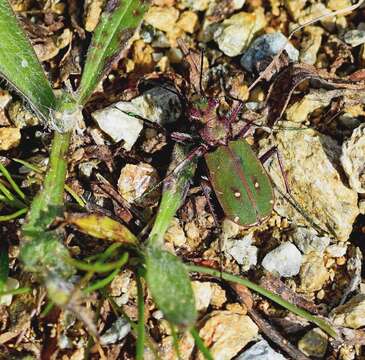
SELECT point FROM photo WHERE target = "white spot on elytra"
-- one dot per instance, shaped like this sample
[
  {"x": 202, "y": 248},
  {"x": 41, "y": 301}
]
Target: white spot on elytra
[{"x": 257, "y": 185}]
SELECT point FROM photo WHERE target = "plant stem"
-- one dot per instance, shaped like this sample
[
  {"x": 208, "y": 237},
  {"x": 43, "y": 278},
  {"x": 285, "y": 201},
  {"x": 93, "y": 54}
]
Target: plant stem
[{"x": 49, "y": 201}]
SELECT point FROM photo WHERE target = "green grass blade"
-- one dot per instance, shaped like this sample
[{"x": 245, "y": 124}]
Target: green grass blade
[
  {"x": 116, "y": 26},
  {"x": 102, "y": 283},
  {"x": 99, "y": 267},
  {"x": 19, "y": 64},
  {"x": 141, "y": 335},
  {"x": 19, "y": 291},
  {"x": 4, "y": 266},
  {"x": 14, "y": 185},
  {"x": 14, "y": 215},
  {"x": 324, "y": 325},
  {"x": 36, "y": 169}
]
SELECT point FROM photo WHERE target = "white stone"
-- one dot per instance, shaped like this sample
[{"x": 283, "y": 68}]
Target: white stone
[
  {"x": 260, "y": 351},
  {"x": 203, "y": 294},
  {"x": 119, "y": 330},
  {"x": 337, "y": 250},
  {"x": 242, "y": 251},
  {"x": 116, "y": 123},
  {"x": 354, "y": 37},
  {"x": 119, "y": 120},
  {"x": 284, "y": 260}
]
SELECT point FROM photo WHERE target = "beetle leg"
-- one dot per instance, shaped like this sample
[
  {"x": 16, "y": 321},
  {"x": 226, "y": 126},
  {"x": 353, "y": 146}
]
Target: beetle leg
[
  {"x": 207, "y": 190},
  {"x": 267, "y": 155}
]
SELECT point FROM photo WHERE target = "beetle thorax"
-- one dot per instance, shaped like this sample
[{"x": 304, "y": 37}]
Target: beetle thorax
[{"x": 214, "y": 130}]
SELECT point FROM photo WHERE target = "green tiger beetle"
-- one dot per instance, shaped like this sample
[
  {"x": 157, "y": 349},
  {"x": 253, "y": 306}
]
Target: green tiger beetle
[{"x": 236, "y": 174}]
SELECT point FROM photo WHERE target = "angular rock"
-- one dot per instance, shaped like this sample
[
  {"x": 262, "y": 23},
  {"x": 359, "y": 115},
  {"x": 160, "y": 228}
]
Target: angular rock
[
  {"x": 314, "y": 343},
  {"x": 337, "y": 250},
  {"x": 351, "y": 314},
  {"x": 263, "y": 50},
  {"x": 162, "y": 18},
  {"x": 225, "y": 333},
  {"x": 353, "y": 159},
  {"x": 9, "y": 138},
  {"x": 135, "y": 180},
  {"x": 188, "y": 21},
  {"x": 307, "y": 240},
  {"x": 119, "y": 330},
  {"x": 310, "y": 161},
  {"x": 116, "y": 123},
  {"x": 203, "y": 294},
  {"x": 158, "y": 104},
  {"x": 260, "y": 351},
  {"x": 284, "y": 260},
  {"x": 235, "y": 34},
  {"x": 313, "y": 273}
]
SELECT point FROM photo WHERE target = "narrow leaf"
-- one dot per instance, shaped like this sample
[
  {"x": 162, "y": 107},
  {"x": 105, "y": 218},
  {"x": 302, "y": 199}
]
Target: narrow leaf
[
  {"x": 111, "y": 38},
  {"x": 166, "y": 277},
  {"x": 19, "y": 63},
  {"x": 174, "y": 191},
  {"x": 170, "y": 286}
]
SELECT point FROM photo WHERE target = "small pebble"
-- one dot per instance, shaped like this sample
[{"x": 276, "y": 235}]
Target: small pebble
[
  {"x": 260, "y": 351},
  {"x": 314, "y": 343},
  {"x": 354, "y": 37},
  {"x": 135, "y": 180},
  {"x": 162, "y": 18},
  {"x": 9, "y": 138},
  {"x": 351, "y": 314},
  {"x": 264, "y": 48},
  {"x": 119, "y": 330},
  {"x": 313, "y": 273},
  {"x": 235, "y": 34},
  {"x": 225, "y": 333},
  {"x": 284, "y": 260}
]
